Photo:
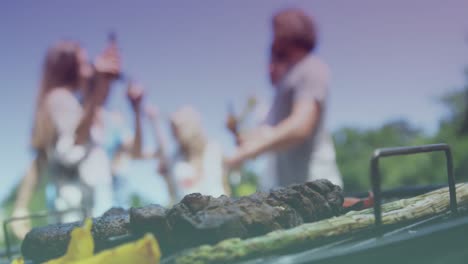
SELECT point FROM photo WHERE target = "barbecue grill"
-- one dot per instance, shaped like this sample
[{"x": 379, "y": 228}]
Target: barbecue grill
[{"x": 438, "y": 239}]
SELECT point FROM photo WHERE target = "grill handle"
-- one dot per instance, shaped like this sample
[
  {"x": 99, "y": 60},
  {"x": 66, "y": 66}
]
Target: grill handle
[{"x": 399, "y": 151}]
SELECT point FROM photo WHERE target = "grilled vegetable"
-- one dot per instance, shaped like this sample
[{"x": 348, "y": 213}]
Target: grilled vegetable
[
  {"x": 143, "y": 251},
  {"x": 18, "y": 261},
  {"x": 81, "y": 245}
]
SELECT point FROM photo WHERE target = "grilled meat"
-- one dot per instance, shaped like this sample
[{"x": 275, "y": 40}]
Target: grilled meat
[{"x": 199, "y": 219}]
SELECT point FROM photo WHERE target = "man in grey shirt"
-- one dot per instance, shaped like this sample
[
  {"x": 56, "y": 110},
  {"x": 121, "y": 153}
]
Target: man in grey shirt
[{"x": 302, "y": 149}]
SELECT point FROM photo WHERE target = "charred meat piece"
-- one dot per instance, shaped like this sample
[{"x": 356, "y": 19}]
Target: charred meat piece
[
  {"x": 109, "y": 226},
  {"x": 151, "y": 217},
  {"x": 258, "y": 216},
  {"x": 199, "y": 219},
  {"x": 45, "y": 243},
  {"x": 288, "y": 216},
  {"x": 319, "y": 207},
  {"x": 296, "y": 200},
  {"x": 48, "y": 242},
  {"x": 332, "y": 193}
]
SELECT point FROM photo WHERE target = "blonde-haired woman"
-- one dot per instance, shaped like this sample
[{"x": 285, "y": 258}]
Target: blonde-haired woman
[
  {"x": 61, "y": 131},
  {"x": 197, "y": 166}
]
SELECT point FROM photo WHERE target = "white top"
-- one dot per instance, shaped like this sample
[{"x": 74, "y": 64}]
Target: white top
[
  {"x": 315, "y": 158},
  {"x": 65, "y": 112},
  {"x": 92, "y": 163},
  {"x": 211, "y": 178}
]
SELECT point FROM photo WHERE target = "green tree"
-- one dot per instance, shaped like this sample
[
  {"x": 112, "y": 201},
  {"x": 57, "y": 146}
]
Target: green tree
[{"x": 354, "y": 148}]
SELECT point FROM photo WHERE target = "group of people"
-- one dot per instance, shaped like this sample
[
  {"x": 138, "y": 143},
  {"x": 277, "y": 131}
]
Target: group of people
[{"x": 80, "y": 144}]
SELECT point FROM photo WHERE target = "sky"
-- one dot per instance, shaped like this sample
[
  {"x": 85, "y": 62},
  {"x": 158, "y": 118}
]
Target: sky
[{"x": 389, "y": 59}]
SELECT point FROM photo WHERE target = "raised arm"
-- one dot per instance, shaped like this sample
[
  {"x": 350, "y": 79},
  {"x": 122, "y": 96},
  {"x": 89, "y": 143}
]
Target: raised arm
[
  {"x": 134, "y": 145},
  {"x": 107, "y": 69}
]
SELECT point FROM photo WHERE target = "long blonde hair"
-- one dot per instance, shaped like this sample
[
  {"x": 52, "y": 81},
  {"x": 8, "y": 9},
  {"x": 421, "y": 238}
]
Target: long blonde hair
[
  {"x": 60, "y": 69},
  {"x": 191, "y": 138}
]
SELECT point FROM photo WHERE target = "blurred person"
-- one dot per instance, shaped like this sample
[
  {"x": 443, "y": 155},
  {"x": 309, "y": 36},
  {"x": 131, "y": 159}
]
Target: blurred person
[
  {"x": 111, "y": 132},
  {"x": 295, "y": 132},
  {"x": 197, "y": 166},
  {"x": 61, "y": 137}
]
